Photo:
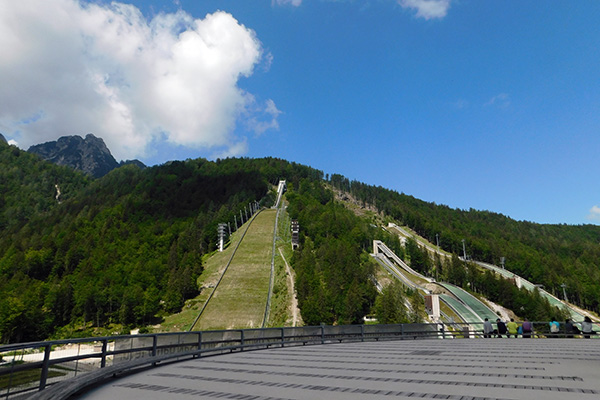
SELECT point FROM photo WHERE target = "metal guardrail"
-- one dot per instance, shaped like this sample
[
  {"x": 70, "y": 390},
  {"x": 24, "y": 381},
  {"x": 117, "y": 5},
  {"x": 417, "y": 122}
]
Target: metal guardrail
[{"x": 59, "y": 369}]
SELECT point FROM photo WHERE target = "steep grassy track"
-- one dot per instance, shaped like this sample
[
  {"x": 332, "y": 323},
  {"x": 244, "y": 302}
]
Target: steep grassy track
[{"x": 241, "y": 297}]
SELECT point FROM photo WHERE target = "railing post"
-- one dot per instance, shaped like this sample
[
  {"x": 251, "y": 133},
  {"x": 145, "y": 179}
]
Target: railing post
[
  {"x": 282, "y": 337},
  {"x": 154, "y": 346},
  {"x": 200, "y": 343},
  {"x": 104, "y": 348},
  {"x": 362, "y": 333},
  {"x": 242, "y": 340},
  {"x": 322, "y": 334},
  {"x": 402, "y": 331},
  {"x": 44, "y": 375}
]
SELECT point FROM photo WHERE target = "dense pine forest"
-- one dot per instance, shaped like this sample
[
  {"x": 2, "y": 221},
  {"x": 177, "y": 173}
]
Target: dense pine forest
[
  {"x": 126, "y": 249},
  {"x": 545, "y": 254}
]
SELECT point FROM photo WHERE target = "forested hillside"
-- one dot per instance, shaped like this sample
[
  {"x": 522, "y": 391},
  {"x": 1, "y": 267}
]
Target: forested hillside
[
  {"x": 333, "y": 271},
  {"x": 126, "y": 249},
  {"x": 545, "y": 254},
  {"x": 335, "y": 275},
  {"x": 122, "y": 249}
]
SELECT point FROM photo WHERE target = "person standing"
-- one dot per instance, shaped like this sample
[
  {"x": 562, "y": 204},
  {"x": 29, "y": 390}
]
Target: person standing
[
  {"x": 527, "y": 328},
  {"x": 501, "y": 327},
  {"x": 513, "y": 328},
  {"x": 487, "y": 329}
]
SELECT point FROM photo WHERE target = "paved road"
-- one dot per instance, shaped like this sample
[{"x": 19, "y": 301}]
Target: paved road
[{"x": 466, "y": 369}]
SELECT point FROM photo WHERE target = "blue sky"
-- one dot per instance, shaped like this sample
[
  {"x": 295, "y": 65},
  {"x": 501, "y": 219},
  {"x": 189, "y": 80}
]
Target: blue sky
[{"x": 491, "y": 105}]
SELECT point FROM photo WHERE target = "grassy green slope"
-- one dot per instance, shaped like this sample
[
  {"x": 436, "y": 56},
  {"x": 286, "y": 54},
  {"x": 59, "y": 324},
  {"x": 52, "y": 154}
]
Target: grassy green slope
[{"x": 240, "y": 299}]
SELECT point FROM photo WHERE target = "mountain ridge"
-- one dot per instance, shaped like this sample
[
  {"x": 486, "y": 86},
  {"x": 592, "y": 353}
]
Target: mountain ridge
[{"x": 89, "y": 155}]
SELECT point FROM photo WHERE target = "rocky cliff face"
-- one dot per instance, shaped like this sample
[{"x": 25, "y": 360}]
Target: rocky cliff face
[
  {"x": 89, "y": 155},
  {"x": 2, "y": 138}
]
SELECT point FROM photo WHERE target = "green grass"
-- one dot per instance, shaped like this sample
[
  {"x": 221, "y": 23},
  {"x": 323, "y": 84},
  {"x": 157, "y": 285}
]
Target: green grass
[
  {"x": 449, "y": 312},
  {"x": 422, "y": 241},
  {"x": 280, "y": 313},
  {"x": 240, "y": 299},
  {"x": 24, "y": 377},
  {"x": 214, "y": 264}
]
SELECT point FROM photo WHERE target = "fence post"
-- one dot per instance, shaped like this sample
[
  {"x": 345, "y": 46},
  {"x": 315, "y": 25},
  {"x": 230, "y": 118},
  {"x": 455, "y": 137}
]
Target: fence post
[
  {"x": 200, "y": 344},
  {"x": 282, "y": 337},
  {"x": 44, "y": 375},
  {"x": 154, "y": 346},
  {"x": 362, "y": 333},
  {"x": 242, "y": 339},
  {"x": 322, "y": 334},
  {"x": 104, "y": 348}
]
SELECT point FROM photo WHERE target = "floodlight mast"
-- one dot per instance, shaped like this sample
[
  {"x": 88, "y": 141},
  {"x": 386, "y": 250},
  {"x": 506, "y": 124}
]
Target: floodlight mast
[
  {"x": 564, "y": 286},
  {"x": 221, "y": 231}
]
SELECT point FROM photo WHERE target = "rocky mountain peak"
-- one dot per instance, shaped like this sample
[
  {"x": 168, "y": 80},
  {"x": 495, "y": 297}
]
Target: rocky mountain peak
[{"x": 89, "y": 155}]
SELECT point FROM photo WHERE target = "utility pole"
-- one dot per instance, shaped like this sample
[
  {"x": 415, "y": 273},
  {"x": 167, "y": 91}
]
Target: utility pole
[
  {"x": 437, "y": 240},
  {"x": 563, "y": 286},
  {"x": 235, "y": 221}
]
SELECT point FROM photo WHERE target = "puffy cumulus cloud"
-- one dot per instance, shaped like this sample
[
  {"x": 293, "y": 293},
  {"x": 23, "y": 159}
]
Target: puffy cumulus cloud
[
  {"x": 594, "y": 214},
  {"x": 428, "y": 9},
  {"x": 71, "y": 67}
]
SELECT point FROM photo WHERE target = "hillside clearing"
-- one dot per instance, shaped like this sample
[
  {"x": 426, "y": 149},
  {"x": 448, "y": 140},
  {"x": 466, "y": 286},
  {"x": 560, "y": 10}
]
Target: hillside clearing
[{"x": 240, "y": 299}]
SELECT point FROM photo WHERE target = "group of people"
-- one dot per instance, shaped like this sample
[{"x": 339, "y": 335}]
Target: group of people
[
  {"x": 525, "y": 329},
  {"x": 508, "y": 329}
]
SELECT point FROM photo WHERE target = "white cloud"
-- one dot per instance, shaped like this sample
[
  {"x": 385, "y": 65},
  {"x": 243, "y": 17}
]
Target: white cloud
[
  {"x": 294, "y": 3},
  {"x": 234, "y": 150},
  {"x": 501, "y": 100},
  {"x": 594, "y": 214},
  {"x": 428, "y": 9},
  {"x": 72, "y": 67},
  {"x": 259, "y": 124}
]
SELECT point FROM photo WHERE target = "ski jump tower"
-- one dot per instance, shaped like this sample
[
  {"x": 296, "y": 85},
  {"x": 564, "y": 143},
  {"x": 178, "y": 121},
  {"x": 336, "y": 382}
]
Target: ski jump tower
[{"x": 280, "y": 189}]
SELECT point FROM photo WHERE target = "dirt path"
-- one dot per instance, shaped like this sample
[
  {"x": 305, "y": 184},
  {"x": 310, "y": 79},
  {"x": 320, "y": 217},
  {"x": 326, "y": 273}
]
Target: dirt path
[{"x": 292, "y": 291}]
